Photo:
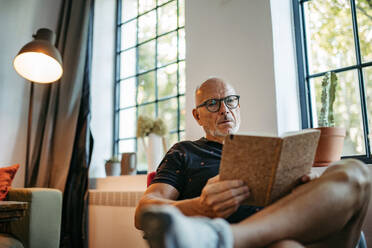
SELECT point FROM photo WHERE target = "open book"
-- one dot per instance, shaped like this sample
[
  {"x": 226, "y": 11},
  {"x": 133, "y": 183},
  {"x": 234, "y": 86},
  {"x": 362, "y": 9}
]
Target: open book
[{"x": 270, "y": 166}]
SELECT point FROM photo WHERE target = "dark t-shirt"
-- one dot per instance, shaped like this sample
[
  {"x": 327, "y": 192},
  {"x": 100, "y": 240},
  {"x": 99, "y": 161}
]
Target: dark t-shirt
[{"x": 188, "y": 165}]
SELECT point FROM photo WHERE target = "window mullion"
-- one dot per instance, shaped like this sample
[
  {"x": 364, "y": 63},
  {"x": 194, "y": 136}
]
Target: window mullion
[
  {"x": 361, "y": 78},
  {"x": 178, "y": 72},
  {"x": 156, "y": 60},
  {"x": 137, "y": 70},
  {"x": 116, "y": 101}
]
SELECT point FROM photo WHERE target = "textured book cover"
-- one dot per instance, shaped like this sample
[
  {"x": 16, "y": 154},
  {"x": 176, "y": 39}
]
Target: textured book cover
[{"x": 270, "y": 166}]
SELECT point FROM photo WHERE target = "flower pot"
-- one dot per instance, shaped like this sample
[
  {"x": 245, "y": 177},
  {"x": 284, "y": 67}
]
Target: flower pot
[
  {"x": 113, "y": 168},
  {"x": 330, "y": 145}
]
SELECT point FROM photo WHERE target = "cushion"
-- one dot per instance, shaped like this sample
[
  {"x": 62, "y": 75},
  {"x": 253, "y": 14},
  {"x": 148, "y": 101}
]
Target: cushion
[
  {"x": 6, "y": 177},
  {"x": 150, "y": 177}
]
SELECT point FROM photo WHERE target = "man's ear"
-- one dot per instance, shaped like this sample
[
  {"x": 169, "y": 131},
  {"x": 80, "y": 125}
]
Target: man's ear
[{"x": 195, "y": 113}]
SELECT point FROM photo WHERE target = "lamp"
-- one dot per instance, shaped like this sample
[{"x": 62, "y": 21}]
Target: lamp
[{"x": 38, "y": 61}]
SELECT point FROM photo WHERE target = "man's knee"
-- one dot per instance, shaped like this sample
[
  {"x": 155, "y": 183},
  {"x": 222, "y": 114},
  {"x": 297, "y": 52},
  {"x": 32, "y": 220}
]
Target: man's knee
[{"x": 354, "y": 173}]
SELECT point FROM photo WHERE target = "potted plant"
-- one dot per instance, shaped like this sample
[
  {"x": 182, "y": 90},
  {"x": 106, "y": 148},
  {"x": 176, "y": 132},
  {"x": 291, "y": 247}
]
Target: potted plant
[
  {"x": 331, "y": 138},
  {"x": 113, "y": 166},
  {"x": 155, "y": 146}
]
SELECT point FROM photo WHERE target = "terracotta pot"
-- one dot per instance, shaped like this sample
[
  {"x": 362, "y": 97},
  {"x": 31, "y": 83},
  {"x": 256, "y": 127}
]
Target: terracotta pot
[
  {"x": 112, "y": 169},
  {"x": 330, "y": 145}
]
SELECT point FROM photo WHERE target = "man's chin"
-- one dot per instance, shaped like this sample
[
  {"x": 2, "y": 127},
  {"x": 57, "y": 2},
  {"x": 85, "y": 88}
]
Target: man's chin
[{"x": 226, "y": 131}]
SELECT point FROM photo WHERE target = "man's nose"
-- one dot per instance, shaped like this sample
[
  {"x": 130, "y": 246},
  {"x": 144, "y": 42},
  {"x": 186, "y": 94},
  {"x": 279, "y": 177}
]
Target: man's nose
[{"x": 223, "y": 108}]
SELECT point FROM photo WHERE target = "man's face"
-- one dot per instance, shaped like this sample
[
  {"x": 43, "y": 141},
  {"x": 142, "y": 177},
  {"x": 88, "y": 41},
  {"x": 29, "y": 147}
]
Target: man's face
[{"x": 218, "y": 124}]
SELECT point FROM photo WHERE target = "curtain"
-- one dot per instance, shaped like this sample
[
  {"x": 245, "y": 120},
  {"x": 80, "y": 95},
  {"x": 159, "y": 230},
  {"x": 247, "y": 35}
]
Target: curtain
[
  {"x": 61, "y": 141},
  {"x": 75, "y": 197}
]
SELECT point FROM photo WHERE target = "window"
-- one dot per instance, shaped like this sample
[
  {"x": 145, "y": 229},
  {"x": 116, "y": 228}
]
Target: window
[
  {"x": 150, "y": 71},
  {"x": 336, "y": 35}
]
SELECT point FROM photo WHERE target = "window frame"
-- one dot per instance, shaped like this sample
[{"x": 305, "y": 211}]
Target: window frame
[
  {"x": 304, "y": 76},
  {"x": 118, "y": 79}
]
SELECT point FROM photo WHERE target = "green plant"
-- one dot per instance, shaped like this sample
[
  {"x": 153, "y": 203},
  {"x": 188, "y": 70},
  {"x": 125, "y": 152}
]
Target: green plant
[
  {"x": 113, "y": 159},
  {"x": 329, "y": 84},
  {"x": 147, "y": 125}
]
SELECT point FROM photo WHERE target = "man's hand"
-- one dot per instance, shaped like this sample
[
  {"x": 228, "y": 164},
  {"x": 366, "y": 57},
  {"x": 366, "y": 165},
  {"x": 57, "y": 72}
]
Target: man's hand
[
  {"x": 308, "y": 177},
  {"x": 222, "y": 198}
]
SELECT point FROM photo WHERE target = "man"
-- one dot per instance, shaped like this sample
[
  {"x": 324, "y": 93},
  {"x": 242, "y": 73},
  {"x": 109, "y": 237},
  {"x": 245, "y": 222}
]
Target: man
[{"x": 326, "y": 212}]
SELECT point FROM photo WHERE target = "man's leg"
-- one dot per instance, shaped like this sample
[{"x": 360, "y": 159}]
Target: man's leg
[
  {"x": 328, "y": 211},
  {"x": 286, "y": 244}
]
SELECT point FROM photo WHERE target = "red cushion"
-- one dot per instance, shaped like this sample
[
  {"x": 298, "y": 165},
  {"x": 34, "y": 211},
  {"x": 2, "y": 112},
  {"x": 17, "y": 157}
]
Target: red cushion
[
  {"x": 150, "y": 176},
  {"x": 6, "y": 177}
]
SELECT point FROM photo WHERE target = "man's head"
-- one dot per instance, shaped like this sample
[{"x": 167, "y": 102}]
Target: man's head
[{"x": 217, "y": 122}]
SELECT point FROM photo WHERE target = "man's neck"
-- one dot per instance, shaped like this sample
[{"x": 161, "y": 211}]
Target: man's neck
[{"x": 218, "y": 139}]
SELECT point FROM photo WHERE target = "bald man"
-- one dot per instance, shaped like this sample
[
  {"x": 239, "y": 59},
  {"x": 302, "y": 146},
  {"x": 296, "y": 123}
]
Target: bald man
[
  {"x": 186, "y": 177},
  {"x": 326, "y": 212}
]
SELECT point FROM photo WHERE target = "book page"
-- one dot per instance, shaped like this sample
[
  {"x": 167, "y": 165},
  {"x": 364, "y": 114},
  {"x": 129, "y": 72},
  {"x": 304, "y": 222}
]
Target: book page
[{"x": 296, "y": 160}]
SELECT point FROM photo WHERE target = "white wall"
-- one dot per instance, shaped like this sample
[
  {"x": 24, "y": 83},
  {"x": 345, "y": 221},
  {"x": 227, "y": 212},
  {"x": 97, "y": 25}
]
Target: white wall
[
  {"x": 19, "y": 19},
  {"x": 102, "y": 84},
  {"x": 286, "y": 81},
  {"x": 232, "y": 40}
]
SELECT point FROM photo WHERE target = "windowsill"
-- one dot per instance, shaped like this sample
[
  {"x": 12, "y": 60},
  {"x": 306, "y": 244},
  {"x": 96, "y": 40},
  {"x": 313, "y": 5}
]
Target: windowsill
[
  {"x": 135, "y": 183},
  {"x": 123, "y": 191}
]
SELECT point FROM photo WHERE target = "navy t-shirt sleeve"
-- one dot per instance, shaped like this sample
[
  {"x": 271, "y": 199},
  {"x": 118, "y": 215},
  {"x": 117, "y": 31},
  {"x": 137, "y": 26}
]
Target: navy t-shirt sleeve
[{"x": 172, "y": 168}]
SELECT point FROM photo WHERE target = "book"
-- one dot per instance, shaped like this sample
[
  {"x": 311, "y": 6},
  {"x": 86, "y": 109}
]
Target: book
[{"x": 270, "y": 166}]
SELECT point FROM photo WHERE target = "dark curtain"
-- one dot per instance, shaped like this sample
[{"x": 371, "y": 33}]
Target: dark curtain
[{"x": 75, "y": 200}]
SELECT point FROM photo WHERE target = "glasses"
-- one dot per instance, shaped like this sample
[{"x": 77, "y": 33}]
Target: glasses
[{"x": 214, "y": 105}]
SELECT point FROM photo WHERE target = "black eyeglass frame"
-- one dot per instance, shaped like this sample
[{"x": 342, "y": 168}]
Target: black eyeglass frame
[{"x": 219, "y": 103}]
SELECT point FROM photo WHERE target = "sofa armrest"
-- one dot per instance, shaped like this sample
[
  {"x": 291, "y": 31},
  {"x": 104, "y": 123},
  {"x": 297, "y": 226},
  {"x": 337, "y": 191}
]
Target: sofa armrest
[{"x": 41, "y": 226}]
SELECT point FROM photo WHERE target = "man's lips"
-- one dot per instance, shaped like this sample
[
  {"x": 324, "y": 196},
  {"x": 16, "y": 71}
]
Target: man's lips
[{"x": 224, "y": 122}]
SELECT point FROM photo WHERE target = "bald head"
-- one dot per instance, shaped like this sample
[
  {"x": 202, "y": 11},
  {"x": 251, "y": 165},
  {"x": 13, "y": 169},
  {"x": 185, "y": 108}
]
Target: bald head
[
  {"x": 210, "y": 87},
  {"x": 216, "y": 124}
]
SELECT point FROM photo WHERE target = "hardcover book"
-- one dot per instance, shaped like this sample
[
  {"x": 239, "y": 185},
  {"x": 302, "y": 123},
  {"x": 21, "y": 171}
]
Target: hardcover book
[{"x": 270, "y": 166}]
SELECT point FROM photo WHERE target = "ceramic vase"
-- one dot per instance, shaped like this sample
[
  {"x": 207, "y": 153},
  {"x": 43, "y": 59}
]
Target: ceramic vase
[{"x": 154, "y": 152}]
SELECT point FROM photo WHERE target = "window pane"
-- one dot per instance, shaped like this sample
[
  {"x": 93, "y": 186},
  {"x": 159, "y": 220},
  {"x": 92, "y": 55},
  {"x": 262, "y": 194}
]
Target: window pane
[
  {"x": 182, "y": 44},
  {"x": 128, "y": 63},
  {"x": 128, "y": 34},
  {"x": 182, "y": 136},
  {"x": 347, "y": 110},
  {"x": 168, "y": 112},
  {"x": 171, "y": 139},
  {"x": 147, "y": 110},
  {"x": 146, "y": 26},
  {"x": 167, "y": 49},
  {"x": 127, "y": 145},
  {"x": 128, "y": 93},
  {"x": 367, "y": 73},
  {"x": 364, "y": 16},
  {"x": 182, "y": 112},
  {"x": 181, "y": 18},
  {"x": 160, "y": 2},
  {"x": 146, "y": 56},
  {"x": 146, "y": 88},
  {"x": 329, "y": 38},
  {"x": 167, "y": 81},
  {"x": 167, "y": 15},
  {"x": 128, "y": 9},
  {"x": 182, "y": 77},
  {"x": 146, "y": 5},
  {"x": 128, "y": 122}
]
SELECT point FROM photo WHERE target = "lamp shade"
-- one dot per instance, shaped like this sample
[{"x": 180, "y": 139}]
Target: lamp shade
[{"x": 39, "y": 61}]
